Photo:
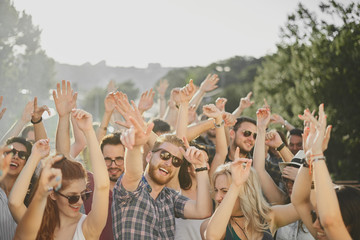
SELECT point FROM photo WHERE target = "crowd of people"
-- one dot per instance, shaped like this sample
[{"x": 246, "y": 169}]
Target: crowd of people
[{"x": 179, "y": 175}]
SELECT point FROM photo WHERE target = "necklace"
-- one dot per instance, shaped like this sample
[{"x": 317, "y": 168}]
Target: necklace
[{"x": 243, "y": 230}]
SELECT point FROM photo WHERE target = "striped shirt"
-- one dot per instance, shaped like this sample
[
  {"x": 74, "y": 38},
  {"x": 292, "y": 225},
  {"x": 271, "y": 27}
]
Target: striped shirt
[
  {"x": 136, "y": 215},
  {"x": 7, "y": 223}
]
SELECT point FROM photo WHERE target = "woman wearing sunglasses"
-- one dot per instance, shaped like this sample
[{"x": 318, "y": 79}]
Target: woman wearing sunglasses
[
  {"x": 54, "y": 210},
  {"x": 337, "y": 211}
]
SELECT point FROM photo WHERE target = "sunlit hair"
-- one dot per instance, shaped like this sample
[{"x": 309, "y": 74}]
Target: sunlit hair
[
  {"x": 70, "y": 170},
  {"x": 252, "y": 203},
  {"x": 169, "y": 138}
]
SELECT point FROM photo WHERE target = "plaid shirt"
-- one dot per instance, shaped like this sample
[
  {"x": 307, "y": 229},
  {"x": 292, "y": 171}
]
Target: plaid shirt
[{"x": 136, "y": 215}]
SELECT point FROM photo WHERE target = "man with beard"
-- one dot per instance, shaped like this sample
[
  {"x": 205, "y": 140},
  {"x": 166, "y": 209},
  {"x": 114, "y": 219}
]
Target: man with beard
[
  {"x": 242, "y": 135},
  {"x": 143, "y": 208}
]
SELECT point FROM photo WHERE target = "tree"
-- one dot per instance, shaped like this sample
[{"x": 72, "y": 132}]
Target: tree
[{"x": 318, "y": 62}]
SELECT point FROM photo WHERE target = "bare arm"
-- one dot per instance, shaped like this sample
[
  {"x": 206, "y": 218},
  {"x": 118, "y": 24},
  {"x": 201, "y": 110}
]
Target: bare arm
[
  {"x": 195, "y": 130},
  {"x": 244, "y": 103},
  {"x": 276, "y": 118},
  {"x": 80, "y": 142},
  {"x": 65, "y": 101},
  {"x": 96, "y": 219},
  {"x": 16, "y": 128},
  {"x": 30, "y": 223},
  {"x": 161, "y": 89},
  {"x": 18, "y": 192},
  {"x": 207, "y": 85},
  {"x": 271, "y": 191}
]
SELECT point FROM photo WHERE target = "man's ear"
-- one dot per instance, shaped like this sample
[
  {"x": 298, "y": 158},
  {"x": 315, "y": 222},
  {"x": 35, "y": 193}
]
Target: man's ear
[{"x": 148, "y": 156}]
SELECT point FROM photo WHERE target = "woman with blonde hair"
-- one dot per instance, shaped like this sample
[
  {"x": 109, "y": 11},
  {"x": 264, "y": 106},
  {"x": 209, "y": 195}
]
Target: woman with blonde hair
[{"x": 242, "y": 211}]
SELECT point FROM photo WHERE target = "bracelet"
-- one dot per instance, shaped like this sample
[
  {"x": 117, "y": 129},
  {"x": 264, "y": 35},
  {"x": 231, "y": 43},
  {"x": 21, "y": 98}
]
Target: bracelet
[
  {"x": 319, "y": 158},
  {"x": 219, "y": 125},
  {"x": 36, "y": 121},
  {"x": 280, "y": 147},
  {"x": 201, "y": 169}
]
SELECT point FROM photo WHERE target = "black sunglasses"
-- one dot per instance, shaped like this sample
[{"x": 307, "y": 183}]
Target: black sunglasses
[
  {"x": 314, "y": 216},
  {"x": 165, "y": 155},
  {"x": 21, "y": 154},
  {"x": 248, "y": 133},
  {"x": 75, "y": 198},
  {"x": 118, "y": 161}
]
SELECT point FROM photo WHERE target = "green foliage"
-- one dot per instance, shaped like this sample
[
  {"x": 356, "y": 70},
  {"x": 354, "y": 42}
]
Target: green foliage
[
  {"x": 23, "y": 64},
  {"x": 233, "y": 84},
  {"x": 317, "y": 62}
]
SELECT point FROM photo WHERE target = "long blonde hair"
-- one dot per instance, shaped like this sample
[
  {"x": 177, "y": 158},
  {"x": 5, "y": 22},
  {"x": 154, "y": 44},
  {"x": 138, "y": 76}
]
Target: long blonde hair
[{"x": 252, "y": 203}]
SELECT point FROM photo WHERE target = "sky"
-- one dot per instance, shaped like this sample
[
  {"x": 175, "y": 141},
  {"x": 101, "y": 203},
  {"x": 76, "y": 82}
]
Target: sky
[{"x": 174, "y": 33}]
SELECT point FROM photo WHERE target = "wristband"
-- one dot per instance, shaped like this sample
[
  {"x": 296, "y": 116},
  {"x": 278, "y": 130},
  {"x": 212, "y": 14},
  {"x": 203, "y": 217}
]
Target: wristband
[
  {"x": 219, "y": 125},
  {"x": 36, "y": 121},
  {"x": 201, "y": 169},
  {"x": 280, "y": 147},
  {"x": 319, "y": 158},
  {"x": 285, "y": 123}
]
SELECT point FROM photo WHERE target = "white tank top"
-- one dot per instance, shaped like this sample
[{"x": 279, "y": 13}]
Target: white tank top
[{"x": 78, "y": 232}]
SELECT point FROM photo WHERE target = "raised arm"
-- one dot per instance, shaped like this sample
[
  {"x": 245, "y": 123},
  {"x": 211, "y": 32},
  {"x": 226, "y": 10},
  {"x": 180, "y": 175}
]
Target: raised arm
[
  {"x": 109, "y": 103},
  {"x": 207, "y": 85},
  {"x": 186, "y": 93},
  {"x": 79, "y": 140},
  {"x": 40, "y": 150},
  {"x": 161, "y": 89},
  {"x": 172, "y": 110},
  {"x": 213, "y": 112},
  {"x": 244, "y": 103},
  {"x": 274, "y": 140},
  {"x": 16, "y": 128},
  {"x": 271, "y": 191},
  {"x": 36, "y": 119},
  {"x": 30, "y": 223},
  {"x": 201, "y": 207},
  {"x": 2, "y": 112},
  {"x": 276, "y": 118},
  {"x": 133, "y": 139},
  {"x": 65, "y": 101},
  {"x": 216, "y": 227},
  {"x": 96, "y": 219},
  {"x": 326, "y": 199}
]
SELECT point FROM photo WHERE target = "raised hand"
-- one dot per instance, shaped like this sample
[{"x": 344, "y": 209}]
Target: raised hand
[
  {"x": 41, "y": 149},
  {"x": 276, "y": 118},
  {"x": 229, "y": 119},
  {"x": 146, "y": 100},
  {"x": 136, "y": 136},
  {"x": 5, "y": 160},
  {"x": 50, "y": 178},
  {"x": 246, "y": 102},
  {"x": 240, "y": 169},
  {"x": 83, "y": 119},
  {"x": 193, "y": 155},
  {"x": 38, "y": 111},
  {"x": 209, "y": 83},
  {"x": 318, "y": 135},
  {"x": 273, "y": 139},
  {"x": 27, "y": 112},
  {"x": 175, "y": 96},
  {"x": 64, "y": 98},
  {"x": 187, "y": 92},
  {"x": 211, "y": 111},
  {"x": 161, "y": 89},
  {"x": 290, "y": 172},
  {"x": 220, "y": 104},
  {"x": 263, "y": 117},
  {"x": 3, "y": 110},
  {"x": 110, "y": 102}
]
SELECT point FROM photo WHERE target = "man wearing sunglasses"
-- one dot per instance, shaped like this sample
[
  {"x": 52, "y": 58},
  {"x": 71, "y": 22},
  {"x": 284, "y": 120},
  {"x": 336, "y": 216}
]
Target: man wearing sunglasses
[
  {"x": 21, "y": 150},
  {"x": 242, "y": 135},
  {"x": 143, "y": 208}
]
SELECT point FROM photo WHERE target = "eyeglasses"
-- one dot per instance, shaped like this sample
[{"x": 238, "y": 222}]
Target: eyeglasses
[
  {"x": 118, "y": 161},
  {"x": 248, "y": 133},
  {"x": 165, "y": 155},
  {"x": 21, "y": 154},
  {"x": 75, "y": 198},
  {"x": 314, "y": 216}
]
